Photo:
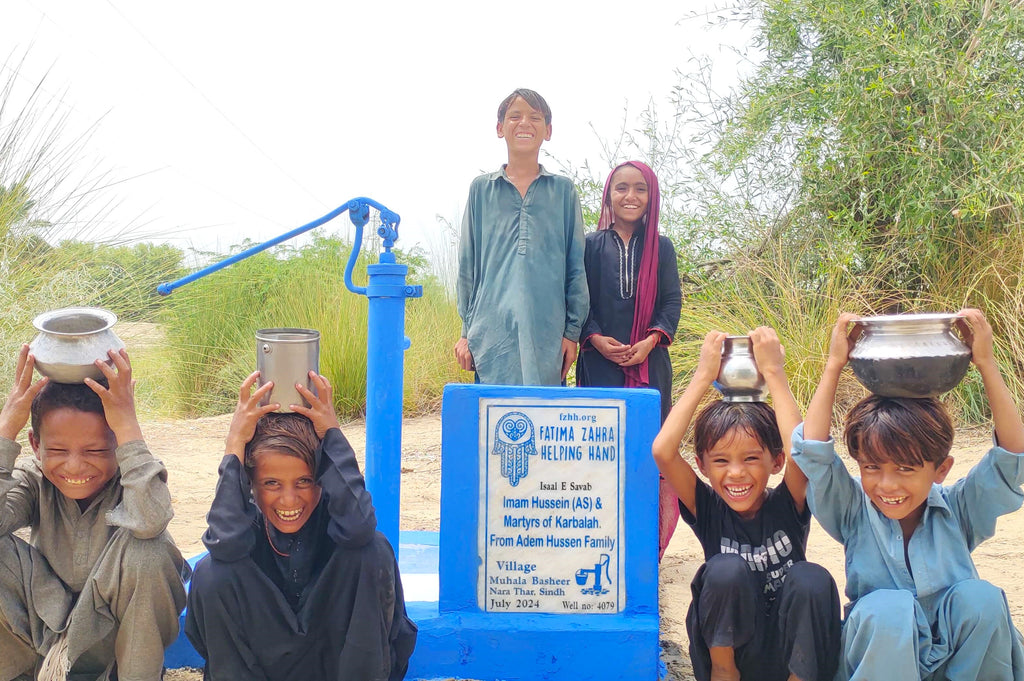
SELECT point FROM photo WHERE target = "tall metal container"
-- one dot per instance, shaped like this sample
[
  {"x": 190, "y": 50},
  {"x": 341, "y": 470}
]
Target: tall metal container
[{"x": 286, "y": 356}]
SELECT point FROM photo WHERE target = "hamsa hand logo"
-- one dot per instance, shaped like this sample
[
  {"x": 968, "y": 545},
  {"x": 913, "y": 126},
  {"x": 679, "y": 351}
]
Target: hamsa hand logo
[{"x": 513, "y": 442}]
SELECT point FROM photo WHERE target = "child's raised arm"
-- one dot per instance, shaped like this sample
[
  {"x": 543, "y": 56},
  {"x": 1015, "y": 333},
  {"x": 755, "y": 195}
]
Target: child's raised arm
[
  {"x": 771, "y": 362},
  {"x": 247, "y": 412},
  {"x": 17, "y": 408},
  {"x": 818, "y": 423},
  {"x": 833, "y": 496},
  {"x": 119, "y": 398},
  {"x": 230, "y": 535},
  {"x": 145, "y": 508},
  {"x": 17, "y": 500},
  {"x": 1005, "y": 415},
  {"x": 674, "y": 467}
]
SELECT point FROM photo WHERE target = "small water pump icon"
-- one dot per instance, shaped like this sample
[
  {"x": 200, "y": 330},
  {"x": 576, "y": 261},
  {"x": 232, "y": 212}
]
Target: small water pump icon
[{"x": 583, "y": 576}]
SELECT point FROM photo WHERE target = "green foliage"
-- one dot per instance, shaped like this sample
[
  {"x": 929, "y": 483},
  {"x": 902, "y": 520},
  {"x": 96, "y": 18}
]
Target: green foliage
[
  {"x": 49, "y": 260},
  {"x": 872, "y": 160},
  {"x": 901, "y": 124},
  {"x": 40, "y": 277},
  {"x": 772, "y": 289},
  {"x": 895, "y": 135},
  {"x": 39, "y": 204},
  {"x": 987, "y": 274},
  {"x": 775, "y": 289},
  {"x": 125, "y": 277},
  {"x": 211, "y": 327},
  {"x": 15, "y": 208}
]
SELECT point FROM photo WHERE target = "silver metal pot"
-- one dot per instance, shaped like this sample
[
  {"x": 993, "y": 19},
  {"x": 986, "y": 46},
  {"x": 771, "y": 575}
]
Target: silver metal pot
[
  {"x": 70, "y": 340},
  {"x": 738, "y": 378},
  {"x": 286, "y": 356},
  {"x": 909, "y": 355}
]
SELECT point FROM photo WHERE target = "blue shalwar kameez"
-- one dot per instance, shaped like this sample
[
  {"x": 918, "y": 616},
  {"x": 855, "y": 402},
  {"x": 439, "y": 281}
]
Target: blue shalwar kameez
[{"x": 923, "y": 613}]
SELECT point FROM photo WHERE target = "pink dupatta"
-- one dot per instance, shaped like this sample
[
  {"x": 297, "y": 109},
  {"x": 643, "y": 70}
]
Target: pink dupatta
[{"x": 647, "y": 280}]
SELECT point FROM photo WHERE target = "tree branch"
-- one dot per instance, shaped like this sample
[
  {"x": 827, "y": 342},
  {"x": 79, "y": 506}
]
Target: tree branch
[{"x": 971, "y": 46}]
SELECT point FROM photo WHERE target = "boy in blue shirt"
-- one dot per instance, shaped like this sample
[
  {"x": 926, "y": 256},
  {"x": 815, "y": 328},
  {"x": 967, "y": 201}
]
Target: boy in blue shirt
[
  {"x": 917, "y": 607},
  {"x": 522, "y": 286}
]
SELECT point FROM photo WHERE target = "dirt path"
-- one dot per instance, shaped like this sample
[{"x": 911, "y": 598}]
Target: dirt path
[{"x": 192, "y": 450}]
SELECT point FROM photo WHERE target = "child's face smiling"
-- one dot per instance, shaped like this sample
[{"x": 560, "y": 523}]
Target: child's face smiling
[
  {"x": 76, "y": 452},
  {"x": 628, "y": 196},
  {"x": 523, "y": 128},
  {"x": 285, "y": 490},
  {"x": 738, "y": 468},
  {"x": 900, "y": 491}
]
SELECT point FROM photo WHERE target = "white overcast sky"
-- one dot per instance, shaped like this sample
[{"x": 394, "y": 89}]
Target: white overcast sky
[{"x": 246, "y": 119}]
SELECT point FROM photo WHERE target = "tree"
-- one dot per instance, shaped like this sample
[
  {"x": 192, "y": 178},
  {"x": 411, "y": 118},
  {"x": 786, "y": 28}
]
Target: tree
[
  {"x": 901, "y": 124},
  {"x": 872, "y": 160}
]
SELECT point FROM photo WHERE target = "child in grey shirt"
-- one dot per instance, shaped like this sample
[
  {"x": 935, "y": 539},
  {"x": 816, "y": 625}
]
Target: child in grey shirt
[{"x": 97, "y": 591}]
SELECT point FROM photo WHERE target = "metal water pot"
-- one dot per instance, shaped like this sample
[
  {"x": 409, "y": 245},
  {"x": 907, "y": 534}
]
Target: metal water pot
[
  {"x": 909, "y": 355},
  {"x": 738, "y": 378},
  {"x": 70, "y": 340},
  {"x": 286, "y": 356}
]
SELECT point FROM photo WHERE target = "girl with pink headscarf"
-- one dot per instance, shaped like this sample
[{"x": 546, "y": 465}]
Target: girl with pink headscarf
[{"x": 634, "y": 301}]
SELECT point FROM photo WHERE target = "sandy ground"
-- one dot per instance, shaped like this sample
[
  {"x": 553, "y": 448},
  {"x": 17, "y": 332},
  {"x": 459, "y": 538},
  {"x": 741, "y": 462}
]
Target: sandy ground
[{"x": 192, "y": 449}]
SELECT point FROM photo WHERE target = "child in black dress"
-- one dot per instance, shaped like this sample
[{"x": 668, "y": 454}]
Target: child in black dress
[
  {"x": 298, "y": 583},
  {"x": 635, "y": 302},
  {"x": 759, "y": 610}
]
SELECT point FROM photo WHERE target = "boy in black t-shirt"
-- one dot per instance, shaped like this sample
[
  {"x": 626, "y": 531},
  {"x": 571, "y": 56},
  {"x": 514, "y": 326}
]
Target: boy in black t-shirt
[{"x": 759, "y": 610}]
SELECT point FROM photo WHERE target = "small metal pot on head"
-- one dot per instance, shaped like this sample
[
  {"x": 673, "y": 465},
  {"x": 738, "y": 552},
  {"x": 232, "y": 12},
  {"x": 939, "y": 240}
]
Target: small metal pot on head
[
  {"x": 70, "y": 341},
  {"x": 738, "y": 378},
  {"x": 286, "y": 356}
]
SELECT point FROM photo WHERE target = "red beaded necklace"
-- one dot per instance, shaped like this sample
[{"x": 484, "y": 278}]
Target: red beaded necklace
[{"x": 266, "y": 527}]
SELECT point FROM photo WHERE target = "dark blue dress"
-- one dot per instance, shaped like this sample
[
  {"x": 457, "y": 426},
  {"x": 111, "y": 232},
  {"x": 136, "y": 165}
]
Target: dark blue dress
[
  {"x": 332, "y": 609},
  {"x": 612, "y": 273}
]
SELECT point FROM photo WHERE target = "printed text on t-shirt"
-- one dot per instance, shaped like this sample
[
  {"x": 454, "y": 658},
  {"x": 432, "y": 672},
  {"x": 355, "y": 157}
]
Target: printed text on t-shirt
[{"x": 761, "y": 558}]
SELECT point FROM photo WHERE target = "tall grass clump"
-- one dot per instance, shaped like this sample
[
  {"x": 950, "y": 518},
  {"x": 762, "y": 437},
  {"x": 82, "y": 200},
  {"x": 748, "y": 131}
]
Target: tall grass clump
[
  {"x": 55, "y": 250},
  {"x": 773, "y": 289},
  {"x": 988, "y": 274},
  {"x": 35, "y": 163},
  {"x": 211, "y": 327},
  {"x": 779, "y": 288}
]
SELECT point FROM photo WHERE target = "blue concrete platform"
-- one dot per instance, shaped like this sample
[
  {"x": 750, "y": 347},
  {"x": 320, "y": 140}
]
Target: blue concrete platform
[
  {"x": 473, "y": 632},
  {"x": 477, "y": 645},
  {"x": 463, "y": 636},
  {"x": 418, "y": 562}
]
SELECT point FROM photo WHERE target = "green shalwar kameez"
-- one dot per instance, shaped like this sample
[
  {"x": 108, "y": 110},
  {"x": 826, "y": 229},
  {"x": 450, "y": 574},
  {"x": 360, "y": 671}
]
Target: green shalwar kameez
[{"x": 522, "y": 285}]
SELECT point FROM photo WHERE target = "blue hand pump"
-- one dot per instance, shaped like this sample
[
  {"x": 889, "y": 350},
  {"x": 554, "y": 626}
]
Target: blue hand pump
[{"x": 386, "y": 341}]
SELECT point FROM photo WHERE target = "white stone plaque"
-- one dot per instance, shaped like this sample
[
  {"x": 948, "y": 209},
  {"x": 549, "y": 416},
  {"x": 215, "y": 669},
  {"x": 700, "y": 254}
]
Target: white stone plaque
[{"x": 552, "y": 482}]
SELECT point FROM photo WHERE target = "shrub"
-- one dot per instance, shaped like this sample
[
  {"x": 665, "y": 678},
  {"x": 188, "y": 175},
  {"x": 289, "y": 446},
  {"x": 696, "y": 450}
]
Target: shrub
[{"x": 211, "y": 327}]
